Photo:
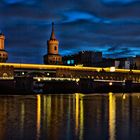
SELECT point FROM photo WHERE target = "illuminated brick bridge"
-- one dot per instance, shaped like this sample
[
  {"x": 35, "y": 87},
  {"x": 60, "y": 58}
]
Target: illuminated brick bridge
[{"x": 39, "y": 70}]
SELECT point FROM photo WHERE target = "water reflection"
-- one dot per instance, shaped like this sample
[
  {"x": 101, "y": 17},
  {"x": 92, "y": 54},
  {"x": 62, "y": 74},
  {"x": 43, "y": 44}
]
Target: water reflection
[
  {"x": 38, "y": 116},
  {"x": 69, "y": 117},
  {"x": 77, "y": 113},
  {"x": 22, "y": 121},
  {"x": 81, "y": 120},
  {"x": 47, "y": 114},
  {"x": 112, "y": 116},
  {"x": 79, "y": 116}
]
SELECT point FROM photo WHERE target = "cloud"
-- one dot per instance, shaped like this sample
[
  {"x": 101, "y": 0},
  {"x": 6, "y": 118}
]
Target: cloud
[
  {"x": 119, "y": 2},
  {"x": 19, "y": 1},
  {"x": 111, "y": 26}
]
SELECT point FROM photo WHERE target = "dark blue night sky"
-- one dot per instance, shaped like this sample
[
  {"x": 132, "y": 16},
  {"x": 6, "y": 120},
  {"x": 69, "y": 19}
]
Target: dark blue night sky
[{"x": 110, "y": 26}]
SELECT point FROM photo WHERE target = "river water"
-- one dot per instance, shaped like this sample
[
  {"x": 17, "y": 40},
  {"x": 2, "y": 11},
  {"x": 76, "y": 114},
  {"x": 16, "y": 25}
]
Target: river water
[{"x": 70, "y": 117}]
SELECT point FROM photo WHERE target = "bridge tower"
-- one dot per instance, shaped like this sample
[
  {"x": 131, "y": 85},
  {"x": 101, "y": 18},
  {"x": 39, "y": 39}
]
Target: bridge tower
[
  {"x": 3, "y": 53},
  {"x": 52, "y": 56}
]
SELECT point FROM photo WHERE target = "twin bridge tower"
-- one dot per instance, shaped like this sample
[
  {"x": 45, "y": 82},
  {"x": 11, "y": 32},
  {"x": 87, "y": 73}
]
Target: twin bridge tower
[
  {"x": 52, "y": 56},
  {"x": 3, "y": 53}
]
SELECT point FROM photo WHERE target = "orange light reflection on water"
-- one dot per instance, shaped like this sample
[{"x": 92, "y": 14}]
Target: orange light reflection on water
[
  {"x": 79, "y": 116},
  {"x": 38, "y": 116},
  {"x": 77, "y": 113},
  {"x": 112, "y": 116}
]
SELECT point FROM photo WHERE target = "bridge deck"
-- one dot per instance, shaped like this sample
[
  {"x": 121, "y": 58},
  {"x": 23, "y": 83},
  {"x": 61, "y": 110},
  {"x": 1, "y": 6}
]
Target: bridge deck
[{"x": 55, "y": 67}]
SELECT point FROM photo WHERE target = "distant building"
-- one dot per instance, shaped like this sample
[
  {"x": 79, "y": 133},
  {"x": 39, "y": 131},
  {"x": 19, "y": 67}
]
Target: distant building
[
  {"x": 70, "y": 60},
  {"x": 119, "y": 63},
  {"x": 106, "y": 62},
  {"x": 52, "y": 56},
  {"x": 3, "y": 53},
  {"x": 84, "y": 58},
  {"x": 122, "y": 63},
  {"x": 137, "y": 62},
  {"x": 125, "y": 63}
]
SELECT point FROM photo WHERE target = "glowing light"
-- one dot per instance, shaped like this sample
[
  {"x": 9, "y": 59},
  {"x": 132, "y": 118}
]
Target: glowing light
[
  {"x": 112, "y": 69},
  {"x": 55, "y": 67},
  {"x": 80, "y": 65},
  {"x": 38, "y": 79},
  {"x": 7, "y": 78},
  {"x": 77, "y": 80},
  {"x": 124, "y": 96},
  {"x": 110, "y": 83}
]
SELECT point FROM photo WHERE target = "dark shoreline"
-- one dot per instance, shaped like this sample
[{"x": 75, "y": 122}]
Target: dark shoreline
[{"x": 25, "y": 86}]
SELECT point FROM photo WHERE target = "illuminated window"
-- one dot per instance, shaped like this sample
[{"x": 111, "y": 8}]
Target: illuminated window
[
  {"x": 68, "y": 62},
  {"x": 72, "y": 61},
  {"x": 55, "y": 48}
]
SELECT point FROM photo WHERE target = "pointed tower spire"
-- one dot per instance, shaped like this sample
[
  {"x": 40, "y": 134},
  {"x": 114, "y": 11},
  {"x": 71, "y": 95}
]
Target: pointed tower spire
[
  {"x": 52, "y": 56},
  {"x": 52, "y": 34}
]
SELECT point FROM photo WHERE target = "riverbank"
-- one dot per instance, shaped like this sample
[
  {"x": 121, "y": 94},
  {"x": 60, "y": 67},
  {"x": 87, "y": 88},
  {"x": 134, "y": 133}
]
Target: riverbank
[{"x": 29, "y": 86}]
